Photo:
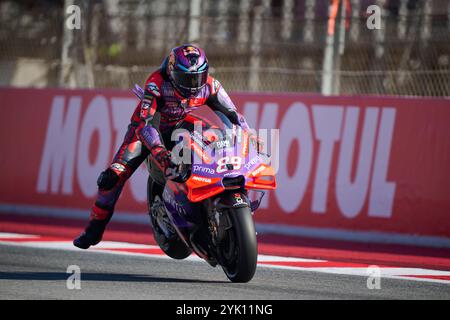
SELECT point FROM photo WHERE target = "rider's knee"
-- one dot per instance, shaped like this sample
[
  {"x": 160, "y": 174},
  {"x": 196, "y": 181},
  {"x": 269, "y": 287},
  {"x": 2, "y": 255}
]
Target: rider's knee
[{"x": 109, "y": 178}]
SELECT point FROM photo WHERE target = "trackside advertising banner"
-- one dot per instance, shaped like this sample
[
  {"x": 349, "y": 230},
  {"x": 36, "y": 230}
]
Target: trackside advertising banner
[{"x": 365, "y": 164}]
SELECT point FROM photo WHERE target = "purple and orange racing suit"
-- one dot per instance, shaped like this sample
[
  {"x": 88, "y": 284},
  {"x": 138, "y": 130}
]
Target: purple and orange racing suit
[{"x": 161, "y": 109}]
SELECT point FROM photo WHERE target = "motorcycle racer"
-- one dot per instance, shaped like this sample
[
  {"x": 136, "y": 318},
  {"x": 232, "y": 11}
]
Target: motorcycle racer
[{"x": 171, "y": 93}]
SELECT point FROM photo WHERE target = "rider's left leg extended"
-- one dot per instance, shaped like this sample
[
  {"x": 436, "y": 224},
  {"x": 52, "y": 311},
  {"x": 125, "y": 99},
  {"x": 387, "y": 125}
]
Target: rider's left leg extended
[{"x": 110, "y": 185}]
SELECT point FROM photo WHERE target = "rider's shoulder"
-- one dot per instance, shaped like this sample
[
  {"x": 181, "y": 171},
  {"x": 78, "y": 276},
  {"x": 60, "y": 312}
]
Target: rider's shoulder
[
  {"x": 154, "y": 83},
  {"x": 214, "y": 84}
]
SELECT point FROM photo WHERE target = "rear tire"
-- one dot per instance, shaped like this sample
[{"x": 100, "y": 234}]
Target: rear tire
[
  {"x": 242, "y": 245},
  {"x": 173, "y": 247}
]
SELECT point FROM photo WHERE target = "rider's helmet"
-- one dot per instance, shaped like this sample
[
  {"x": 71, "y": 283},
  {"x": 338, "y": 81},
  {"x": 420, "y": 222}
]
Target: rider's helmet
[{"x": 187, "y": 69}]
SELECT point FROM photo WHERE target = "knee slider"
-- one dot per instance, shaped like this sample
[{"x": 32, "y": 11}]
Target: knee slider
[{"x": 107, "y": 179}]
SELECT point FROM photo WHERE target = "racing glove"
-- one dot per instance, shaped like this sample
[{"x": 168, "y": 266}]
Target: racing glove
[{"x": 161, "y": 156}]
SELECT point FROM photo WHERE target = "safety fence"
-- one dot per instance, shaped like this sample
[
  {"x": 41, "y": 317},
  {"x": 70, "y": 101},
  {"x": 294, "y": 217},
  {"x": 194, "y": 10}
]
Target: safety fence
[{"x": 252, "y": 45}]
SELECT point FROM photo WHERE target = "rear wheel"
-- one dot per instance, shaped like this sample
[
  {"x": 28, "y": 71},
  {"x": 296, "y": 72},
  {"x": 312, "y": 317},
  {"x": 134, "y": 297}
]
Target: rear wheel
[
  {"x": 168, "y": 240},
  {"x": 239, "y": 249}
]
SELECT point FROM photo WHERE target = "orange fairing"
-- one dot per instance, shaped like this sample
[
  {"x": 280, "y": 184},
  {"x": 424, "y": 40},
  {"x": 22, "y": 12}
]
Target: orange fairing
[
  {"x": 200, "y": 188},
  {"x": 263, "y": 177}
]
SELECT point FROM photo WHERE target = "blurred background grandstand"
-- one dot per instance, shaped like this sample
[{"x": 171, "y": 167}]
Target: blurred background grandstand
[{"x": 252, "y": 45}]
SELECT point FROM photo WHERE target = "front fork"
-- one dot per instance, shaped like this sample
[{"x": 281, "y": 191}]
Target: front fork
[{"x": 218, "y": 208}]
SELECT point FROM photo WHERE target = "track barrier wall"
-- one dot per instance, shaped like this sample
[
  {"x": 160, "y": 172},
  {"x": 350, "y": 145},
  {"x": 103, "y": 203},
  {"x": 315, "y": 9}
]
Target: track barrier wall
[{"x": 361, "y": 168}]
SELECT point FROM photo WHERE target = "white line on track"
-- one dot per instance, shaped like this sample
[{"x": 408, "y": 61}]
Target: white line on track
[{"x": 265, "y": 261}]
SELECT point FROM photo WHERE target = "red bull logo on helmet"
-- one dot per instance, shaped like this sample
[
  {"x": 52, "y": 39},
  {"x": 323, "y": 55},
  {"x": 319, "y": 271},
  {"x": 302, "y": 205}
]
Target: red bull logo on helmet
[{"x": 190, "y": 50}]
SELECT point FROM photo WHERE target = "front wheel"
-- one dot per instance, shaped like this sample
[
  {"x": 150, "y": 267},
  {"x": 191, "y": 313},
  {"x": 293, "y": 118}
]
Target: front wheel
[{"x": 239, "y": 248}]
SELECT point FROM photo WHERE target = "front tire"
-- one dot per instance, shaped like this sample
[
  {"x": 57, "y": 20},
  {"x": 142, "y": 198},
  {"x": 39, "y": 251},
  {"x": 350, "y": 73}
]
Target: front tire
[{"x": 240, "y": 249}]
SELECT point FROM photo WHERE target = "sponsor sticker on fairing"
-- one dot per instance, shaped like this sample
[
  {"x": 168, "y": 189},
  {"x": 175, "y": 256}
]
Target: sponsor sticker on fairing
[
  {"x": 201, "y": 169},
  {"x": 258, "y": 171},
  {"x": 252, "y": 162},
  {"x": 201, "y": 179},
  {"x": 198, "y": 139},
  {"x": 222, "y": 144},
  {"x": 245, "y": 144},
  {"x": 199, "y": 151},
  {"x": 238, "y": 199}
]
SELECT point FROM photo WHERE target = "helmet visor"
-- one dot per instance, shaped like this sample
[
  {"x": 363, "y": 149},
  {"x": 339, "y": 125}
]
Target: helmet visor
[{"x": 189, "y": 80}]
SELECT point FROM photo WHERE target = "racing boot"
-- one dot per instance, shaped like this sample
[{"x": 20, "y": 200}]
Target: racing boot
[
  {"x": 93, "y": 233},
  {"x": 110, "y": 186}
]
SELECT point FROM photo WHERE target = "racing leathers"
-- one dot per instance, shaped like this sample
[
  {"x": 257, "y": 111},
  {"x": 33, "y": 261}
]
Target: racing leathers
[{"x": 161, "y": 109}]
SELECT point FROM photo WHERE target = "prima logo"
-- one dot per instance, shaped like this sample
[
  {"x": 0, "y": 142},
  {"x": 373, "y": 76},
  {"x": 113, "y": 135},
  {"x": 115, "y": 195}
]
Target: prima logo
[{"x": 201, "y": 169}]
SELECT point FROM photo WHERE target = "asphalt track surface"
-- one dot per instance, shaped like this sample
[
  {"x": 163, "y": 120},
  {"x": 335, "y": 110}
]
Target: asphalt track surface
[{"x": 41, "y": 273}]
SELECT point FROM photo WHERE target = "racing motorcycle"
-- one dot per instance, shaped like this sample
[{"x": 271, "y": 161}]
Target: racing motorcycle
[{"x": 203, "y": 205}]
